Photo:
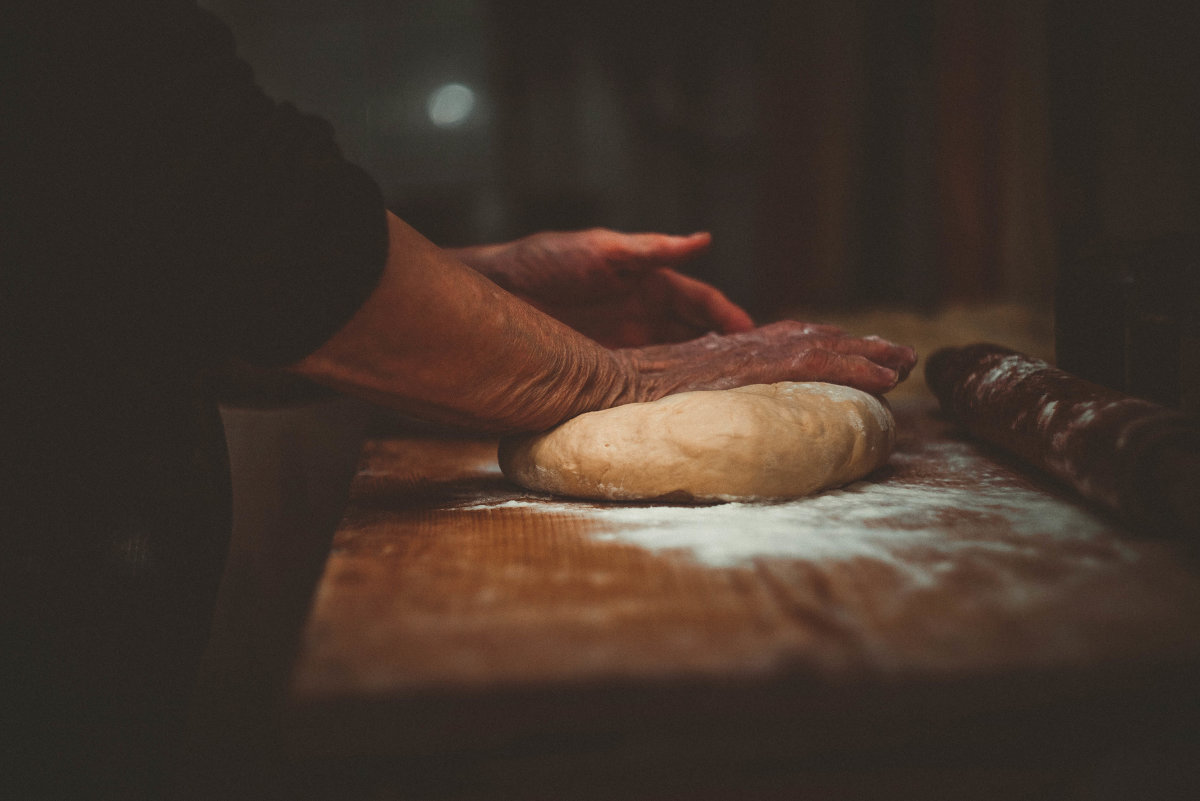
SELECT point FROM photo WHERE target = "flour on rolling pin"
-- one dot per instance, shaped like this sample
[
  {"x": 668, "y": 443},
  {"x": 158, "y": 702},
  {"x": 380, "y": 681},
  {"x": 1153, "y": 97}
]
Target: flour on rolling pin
[{"x": 1136, "y": 458}]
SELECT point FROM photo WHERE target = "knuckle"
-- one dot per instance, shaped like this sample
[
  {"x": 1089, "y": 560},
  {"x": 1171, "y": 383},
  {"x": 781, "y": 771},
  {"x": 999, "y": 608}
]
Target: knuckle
[{"x": 819, "y": 360}]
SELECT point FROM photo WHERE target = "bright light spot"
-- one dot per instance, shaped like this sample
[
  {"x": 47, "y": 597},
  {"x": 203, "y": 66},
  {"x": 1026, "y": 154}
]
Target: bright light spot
[{"x": 450, "y": 105}]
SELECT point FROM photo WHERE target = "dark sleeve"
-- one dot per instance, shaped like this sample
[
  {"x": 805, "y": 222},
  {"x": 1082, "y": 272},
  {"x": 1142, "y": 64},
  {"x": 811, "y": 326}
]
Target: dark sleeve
[{"x": 168, "y": 203}]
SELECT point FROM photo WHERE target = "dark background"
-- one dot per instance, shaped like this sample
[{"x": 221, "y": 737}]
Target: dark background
[{"x": 845, "y": 153}]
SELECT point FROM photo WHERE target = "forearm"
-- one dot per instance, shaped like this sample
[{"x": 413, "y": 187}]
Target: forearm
[
  {"x": 438, "y": 341},
  {"x": 488, "y": 261}
]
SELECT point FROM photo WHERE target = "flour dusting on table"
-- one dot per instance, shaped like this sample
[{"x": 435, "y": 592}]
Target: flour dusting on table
[{"x": 921, "y": 503}]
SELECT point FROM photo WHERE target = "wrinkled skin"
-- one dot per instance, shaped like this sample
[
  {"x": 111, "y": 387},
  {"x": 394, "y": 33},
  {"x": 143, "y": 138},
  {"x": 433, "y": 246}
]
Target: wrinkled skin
[
  {"x": 799, "y": 351},
  {"x": 437, "y": 339},
  {"x": 618, "y": 289}
]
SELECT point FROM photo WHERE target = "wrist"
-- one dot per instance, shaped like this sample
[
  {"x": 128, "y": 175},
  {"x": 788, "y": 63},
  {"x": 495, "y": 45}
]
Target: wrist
[
  {"x": 622, "y": 381},
  {"x": 583, "y": 377}
]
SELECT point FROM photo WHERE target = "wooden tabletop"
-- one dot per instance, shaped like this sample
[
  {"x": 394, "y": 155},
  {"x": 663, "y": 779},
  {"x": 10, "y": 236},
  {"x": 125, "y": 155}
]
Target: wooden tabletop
[{"x": 951, "y": 621}]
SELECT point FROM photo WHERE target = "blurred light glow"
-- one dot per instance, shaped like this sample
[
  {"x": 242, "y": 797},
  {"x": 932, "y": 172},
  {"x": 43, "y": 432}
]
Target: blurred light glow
[{"x": 450, "y": 105}]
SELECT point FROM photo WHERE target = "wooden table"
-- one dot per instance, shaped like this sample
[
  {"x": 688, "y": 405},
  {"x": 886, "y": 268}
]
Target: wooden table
[{"x": 951, "y": 627}]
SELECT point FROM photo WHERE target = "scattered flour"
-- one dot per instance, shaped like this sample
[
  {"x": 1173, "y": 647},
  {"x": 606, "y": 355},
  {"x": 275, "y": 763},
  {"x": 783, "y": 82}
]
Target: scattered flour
[{"x": 921, "y": 507}]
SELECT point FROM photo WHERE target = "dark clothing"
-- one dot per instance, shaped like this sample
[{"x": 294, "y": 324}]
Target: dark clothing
[{"x": 160, "y": 217}]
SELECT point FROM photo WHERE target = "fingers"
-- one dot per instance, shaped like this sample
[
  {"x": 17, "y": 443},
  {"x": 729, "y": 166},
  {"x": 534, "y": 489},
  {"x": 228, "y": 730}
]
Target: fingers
[
  {"x": 852, "y": 370},
  {"x": 644, "y": 252},
  {"x": 900, "y": 358},
  {"x": 701, "y": 306},
  {"x": 788, "y": 351},
  {"x": 786, "y": 329},
  {"x": 896, "y": 357}
]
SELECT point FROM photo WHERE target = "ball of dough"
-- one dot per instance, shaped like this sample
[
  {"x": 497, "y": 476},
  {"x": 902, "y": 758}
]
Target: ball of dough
[{"x": 759, "y": 442}]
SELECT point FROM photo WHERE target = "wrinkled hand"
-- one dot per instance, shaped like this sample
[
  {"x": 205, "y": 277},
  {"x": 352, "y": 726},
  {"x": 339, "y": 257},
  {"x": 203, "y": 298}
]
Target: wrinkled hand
[
  {"x": 618, "y": 289},
  {"x": 785, "y": 351}
]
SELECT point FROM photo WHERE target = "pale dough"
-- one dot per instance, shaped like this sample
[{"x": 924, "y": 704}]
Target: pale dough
[{"x": 761, "y": 442}]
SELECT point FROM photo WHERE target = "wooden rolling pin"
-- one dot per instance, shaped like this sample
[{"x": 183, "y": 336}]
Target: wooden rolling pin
[{"x": 1135, "y": 458}]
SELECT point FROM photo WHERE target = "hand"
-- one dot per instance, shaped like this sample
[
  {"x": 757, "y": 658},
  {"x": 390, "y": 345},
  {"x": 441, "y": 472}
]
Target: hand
[
  {"x": 438, "y": 341},
  {"x": 618, "y": 289},
  {"x": 785, "y": 351}
]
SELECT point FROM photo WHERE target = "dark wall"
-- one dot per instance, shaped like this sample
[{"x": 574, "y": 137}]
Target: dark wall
[
  {"x": 843, "y": 152},
  {"x": 1126, "y": 120}
]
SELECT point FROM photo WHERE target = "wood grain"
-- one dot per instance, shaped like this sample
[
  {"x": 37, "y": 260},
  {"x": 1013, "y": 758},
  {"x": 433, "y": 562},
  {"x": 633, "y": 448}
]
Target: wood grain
[{"x": 466, "y": 627}]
